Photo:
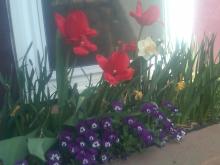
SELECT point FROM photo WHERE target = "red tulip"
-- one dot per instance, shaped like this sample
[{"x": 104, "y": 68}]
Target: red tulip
[
  {"x": 116, "y": 67},
  {"x": 150, "y": 16},
  {"x": 76, "y": 31},
  {"x": 128, "y": 47}
]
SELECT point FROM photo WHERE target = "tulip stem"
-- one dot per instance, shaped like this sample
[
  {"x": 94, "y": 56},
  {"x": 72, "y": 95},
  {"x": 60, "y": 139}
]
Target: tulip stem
[
  {"x": 140, "y": 33},
  {"x": 139, "y": 37}
]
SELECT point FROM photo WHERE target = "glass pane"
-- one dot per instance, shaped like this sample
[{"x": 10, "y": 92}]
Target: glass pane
[{"x": 106, "y": 16}]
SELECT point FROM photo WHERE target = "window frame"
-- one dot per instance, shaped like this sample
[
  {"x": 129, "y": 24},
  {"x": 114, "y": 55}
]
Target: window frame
[{"x": 28, "y": 27}]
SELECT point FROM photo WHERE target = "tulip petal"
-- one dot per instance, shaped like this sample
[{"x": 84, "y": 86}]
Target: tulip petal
[
  {"x": 89, "y": 45},
  {"x": 91, "y": 32},
  {"x": 151, "y": 15},
  {"x": 139, "y": 8},
  {"x": 102, "y": 61},
  {"x": 60, "y": 22},
  {"x": 80, "y": 51},
  {"x": 138, "y": 12},
  {"x": 119, "y": 61},
  {"x": 110, "y": 79},
  {"x": 125, "y": 75}
]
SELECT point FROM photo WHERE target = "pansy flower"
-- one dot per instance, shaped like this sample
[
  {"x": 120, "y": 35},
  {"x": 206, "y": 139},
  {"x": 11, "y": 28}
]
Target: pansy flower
[
  {"x": 130, "y": 121},
  {"x": 87, "y": 156},
  {"x": 148, "y": 17},
  {"x": 117, "y": 106},
  {"x": 21, "y": 162},
  {"x": 146, "y": 136},
  {"x": 64, "y": 143},
  {"x": 73, "y": 148},
  {"x": 93, "y": 153},
  {"x": 80, "y": 141},
  {"x": 93, "y": 124},
  {"x": 90, "y": 136},
  {"x": 167, "y": 104},
  {"x": 111, "y": 136},
  {"x": 170, "y": 106},
  {"x": 106, "y": 143},
  {"x": 104, "y": 157},
  {"x": 116, "y": 67},
  {"x": 65, "y": 135},
  {"x": 138, "y": 127},
  {"x": 84, "y": 159},
  {"x": 162, "y": 135},
  {"x": 54, "y": 156},
  {"x": 54, "y": 163},
  {"x": 96, "y": 144},
  {"x": 106, "y": 123},
  {"x": 81, "y": 128},
  {"x": 149, "y": 108}
]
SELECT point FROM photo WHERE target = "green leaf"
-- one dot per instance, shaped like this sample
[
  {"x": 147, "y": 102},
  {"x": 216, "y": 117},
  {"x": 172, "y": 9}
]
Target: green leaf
[
  {"x": 39, "y": 146},
  {"x": 13, "y": 149}
]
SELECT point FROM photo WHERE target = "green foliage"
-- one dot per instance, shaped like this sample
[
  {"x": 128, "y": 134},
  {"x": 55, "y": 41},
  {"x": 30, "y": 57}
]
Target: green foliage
[
  {"x": 13, "y": 149},
  {"x": 39, "y": 146}
]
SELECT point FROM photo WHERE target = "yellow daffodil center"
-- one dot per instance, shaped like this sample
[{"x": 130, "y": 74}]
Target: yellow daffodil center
[
  {"x": 180, "y": 85},
  {"x": 138, "y": 95}
]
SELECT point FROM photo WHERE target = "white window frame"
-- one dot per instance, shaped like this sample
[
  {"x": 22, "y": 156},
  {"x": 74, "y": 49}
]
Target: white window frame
[{"x": 28, "y": 27}]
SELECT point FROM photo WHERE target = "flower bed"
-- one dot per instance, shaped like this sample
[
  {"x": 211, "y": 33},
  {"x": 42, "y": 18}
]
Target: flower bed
[{"x": 126, "y": 111}]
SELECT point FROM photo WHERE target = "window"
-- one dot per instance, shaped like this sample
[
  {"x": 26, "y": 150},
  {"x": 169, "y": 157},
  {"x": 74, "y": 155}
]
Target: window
[{"x": 32, "y": 21}]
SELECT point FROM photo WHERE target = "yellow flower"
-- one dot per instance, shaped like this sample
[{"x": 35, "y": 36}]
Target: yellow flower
[
  {"x": 180, "y": 85},
  {"x": 15, "y": 110},
  {"x": 147, "y": 48},
  {"x": 138, "y": 95}
]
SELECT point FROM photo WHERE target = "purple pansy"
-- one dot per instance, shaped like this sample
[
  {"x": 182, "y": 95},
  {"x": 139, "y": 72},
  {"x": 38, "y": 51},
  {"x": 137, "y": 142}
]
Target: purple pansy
[
  {"x": 73, "y": 148},
  {"x": 54, "y": 163},
  {"x": 106, "y": 143},
  {"x": 149, "y": 107},
  {"x": 81, "y": 127},
  {"x": 22, "y": 162},
  {"x": 111, "y": 136},
  {"x": 158, "y": 115},
  {"x": 81, "y": 142},
  {"x": 174, "y": 109},
  {"x": 90, "y": 136},
  {"x": 65, "y": 135},
  {"x": 130, "y": 121},
  {"x": 96, "y": 144},
  {"x": 93, "y": 154},
  {"x": 93, "y": 124},
  {"x": 163, "y": 135},
  {"x": 85, "y": 160},
  {"x": 87, "y": 156},
  {"x": 104, "y": 157},
  {"x": 169, "y": 105},
  {"x": 117, "y": 106},
  {"x": 64, "y": 143},
  {"x": 146, "y": 136},
  {"x": 106, "y": 123},
  {"x": 53, "y": 156},
  {"x": 138, "y": 127}
]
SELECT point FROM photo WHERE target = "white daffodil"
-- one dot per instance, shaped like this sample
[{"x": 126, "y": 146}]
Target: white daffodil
[{"x": 147, "y": 48}]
